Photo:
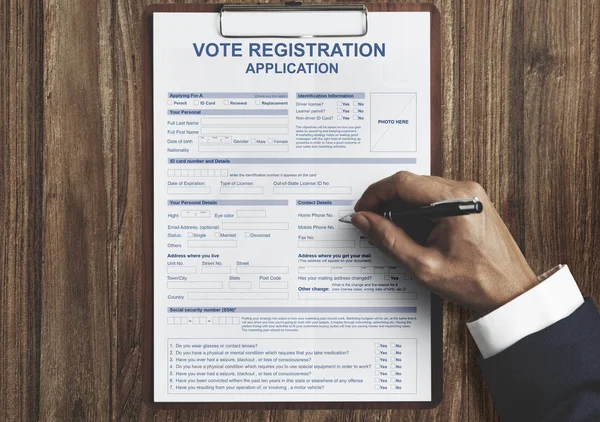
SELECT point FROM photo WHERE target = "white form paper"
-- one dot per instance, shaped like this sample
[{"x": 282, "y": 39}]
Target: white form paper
[{"x": 260, "y": 145}]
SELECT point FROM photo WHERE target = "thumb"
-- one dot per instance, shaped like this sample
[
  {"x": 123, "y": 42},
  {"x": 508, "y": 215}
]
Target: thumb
[{"x": 394, "y": 241}]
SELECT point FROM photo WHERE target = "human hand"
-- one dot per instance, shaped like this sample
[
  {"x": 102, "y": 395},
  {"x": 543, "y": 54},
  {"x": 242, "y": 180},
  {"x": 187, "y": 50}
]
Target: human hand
[{"x": 472, "y": 260}]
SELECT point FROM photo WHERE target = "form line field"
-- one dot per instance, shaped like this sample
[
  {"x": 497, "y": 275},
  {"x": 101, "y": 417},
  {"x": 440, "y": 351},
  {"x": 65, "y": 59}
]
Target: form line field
[
  {"x": 251, "y": 213},
  {"x": 245, "y": 121},
  {"x": 357, "y": 296},
  {"x": 240, "y": 285},
  {"x": 238, "y": 295},
  {"x": 312, "y": 190},
  {"x": 250, "y": 225},
  {"x": 195, "y": 285},
  {"x": 273, "y": 285},
  {"x": 241, "y": 190},
  {"x": 327, "y": 244},
  {"x": 262, "y": 270},
  {"x": 245, "y": 130},
  {"x": 181, "y": 270},
  {"x": 217, "y": 269},
  {"x": 212, "y": 243},
  {"x": 200, "y": 190},
  {"x": 223, "y": 147}
]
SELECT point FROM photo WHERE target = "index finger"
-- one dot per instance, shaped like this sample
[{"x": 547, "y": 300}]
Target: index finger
[{"x": 406, "y": 187}]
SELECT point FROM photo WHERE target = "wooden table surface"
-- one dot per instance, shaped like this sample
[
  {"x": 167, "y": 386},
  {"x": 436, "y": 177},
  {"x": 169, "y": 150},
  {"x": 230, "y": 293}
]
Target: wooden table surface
[{"x": 521, "y": 115}]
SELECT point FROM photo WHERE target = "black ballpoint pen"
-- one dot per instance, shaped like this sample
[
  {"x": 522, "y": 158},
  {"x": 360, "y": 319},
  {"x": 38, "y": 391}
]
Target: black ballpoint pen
[{"x": 447, "y": 208}]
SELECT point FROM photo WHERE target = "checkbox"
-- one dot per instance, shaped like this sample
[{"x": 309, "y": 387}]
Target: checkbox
[
  {"x": 196, "y": 102},
  {"x": 340, "y": 103},
  {"x": 169, "y": 102},
  {"x": 340, "y": 110},
  {"x": 355, "y": 103},
  {"x": 339, "y": 117},
  {"x": 226, "y": 102},
  {"x": 257, "y": 102},
  {"x": 355, "y": 117},
  {"x": 170, "y": 320},
  {"x": 386, "y": 277}
]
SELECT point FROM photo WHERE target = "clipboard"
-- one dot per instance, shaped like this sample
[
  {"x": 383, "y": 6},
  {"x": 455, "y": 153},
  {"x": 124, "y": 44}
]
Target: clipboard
[{"x": 148, "y": 197}]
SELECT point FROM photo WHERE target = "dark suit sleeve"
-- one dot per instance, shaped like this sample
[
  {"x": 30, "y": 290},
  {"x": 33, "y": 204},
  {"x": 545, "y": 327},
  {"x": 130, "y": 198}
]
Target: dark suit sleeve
[{"x": 551, "y": 375}]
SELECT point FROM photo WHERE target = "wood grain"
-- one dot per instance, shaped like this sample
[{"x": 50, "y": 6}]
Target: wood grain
[
  {"x": 79, "y": 242},
  {"x": 491, "y": 127},
  {"x": 21, "y": 64},
  {"x": 562, "y": 135},
  {"x": 521, "y": 114}
]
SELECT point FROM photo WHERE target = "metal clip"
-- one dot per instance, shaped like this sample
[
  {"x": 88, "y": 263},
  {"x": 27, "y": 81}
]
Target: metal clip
[{"x": 293, "y": 6}]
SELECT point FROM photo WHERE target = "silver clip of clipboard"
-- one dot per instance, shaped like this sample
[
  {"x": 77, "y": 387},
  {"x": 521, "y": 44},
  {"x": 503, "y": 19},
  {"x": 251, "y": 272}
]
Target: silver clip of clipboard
[{"x": 293, "y": 7}]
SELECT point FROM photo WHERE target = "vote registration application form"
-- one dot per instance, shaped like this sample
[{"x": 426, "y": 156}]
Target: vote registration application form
[{"x": 260, "y": 146}]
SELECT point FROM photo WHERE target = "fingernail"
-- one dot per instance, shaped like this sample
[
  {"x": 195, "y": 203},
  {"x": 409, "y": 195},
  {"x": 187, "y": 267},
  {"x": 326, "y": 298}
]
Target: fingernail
[{"x": 361, "y": 223}]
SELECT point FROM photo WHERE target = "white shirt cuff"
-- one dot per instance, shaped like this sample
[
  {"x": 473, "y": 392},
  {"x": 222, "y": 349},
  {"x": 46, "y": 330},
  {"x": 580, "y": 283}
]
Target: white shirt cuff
[{"x": 550, "y": 301}]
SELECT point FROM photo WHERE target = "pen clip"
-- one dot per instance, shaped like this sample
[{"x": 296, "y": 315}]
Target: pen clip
[{"x": 457, "y": 201}]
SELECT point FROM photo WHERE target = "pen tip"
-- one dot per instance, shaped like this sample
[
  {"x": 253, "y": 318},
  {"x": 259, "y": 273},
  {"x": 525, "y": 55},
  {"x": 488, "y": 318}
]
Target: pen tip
[{"x": 347, "y": 218}]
